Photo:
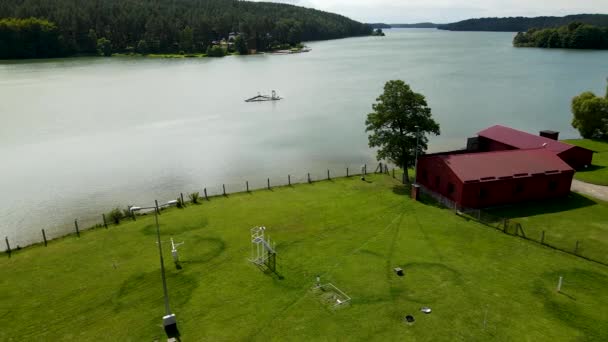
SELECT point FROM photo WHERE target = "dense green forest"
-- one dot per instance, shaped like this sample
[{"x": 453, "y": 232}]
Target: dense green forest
[
  {"x": 71, "y": 27},
  {"x": 522, "y": 24},
  {"x": 571, "y": 36}
]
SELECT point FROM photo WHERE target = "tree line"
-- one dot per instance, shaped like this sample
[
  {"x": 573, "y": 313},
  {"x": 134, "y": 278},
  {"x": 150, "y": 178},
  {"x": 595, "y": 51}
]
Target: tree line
[
  {"x": 522, "y": 24},
  {"x": 571, "y": 36},
  {"x": 71, "y": 27}
]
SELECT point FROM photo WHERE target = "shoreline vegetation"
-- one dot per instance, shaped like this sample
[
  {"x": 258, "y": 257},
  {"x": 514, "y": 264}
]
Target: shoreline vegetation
[
  {"x": 157, "y": 27},
  {"x": 288, "y": 51},
  {"x": 572, "y": 36}
]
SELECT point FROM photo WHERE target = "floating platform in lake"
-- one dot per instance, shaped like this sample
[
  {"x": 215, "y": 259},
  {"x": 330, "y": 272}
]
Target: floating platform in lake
[{"x": 262, "y": 98}]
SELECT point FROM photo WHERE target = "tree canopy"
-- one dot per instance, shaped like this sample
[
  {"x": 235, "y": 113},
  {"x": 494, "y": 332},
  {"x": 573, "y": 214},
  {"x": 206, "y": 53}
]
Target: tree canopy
[
  {"x": 170, "y": 26},
  {"x": 591, "y": 115},
  {"x": 572, "y": 36},
  {"x": 29, "y": 38},
  {"x": 401, "y": 120}
]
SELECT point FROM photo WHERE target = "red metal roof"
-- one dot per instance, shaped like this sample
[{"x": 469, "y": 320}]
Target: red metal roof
[
  {"x": 512, "y": 163},
  {"x": 522, "y": 140}
]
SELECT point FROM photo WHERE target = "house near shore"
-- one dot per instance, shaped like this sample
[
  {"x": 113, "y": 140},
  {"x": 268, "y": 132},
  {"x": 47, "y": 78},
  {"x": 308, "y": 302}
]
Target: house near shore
[{"x": 503, "y": 166}]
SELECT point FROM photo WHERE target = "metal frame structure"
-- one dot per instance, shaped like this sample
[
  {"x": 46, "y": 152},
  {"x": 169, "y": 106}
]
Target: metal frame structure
[
  {"x": 338, "y": 301},
  {"x": 263, "y": 250}
]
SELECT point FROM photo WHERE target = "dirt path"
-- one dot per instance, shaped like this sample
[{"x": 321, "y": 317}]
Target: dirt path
[{"x": 597, "y": 191}]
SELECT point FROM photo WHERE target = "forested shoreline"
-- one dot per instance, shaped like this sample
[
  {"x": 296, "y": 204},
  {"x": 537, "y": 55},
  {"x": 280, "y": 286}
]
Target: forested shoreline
[
  {"x": 41, "y": 28},
  {"x": 572, "y": 36},
  {"x": 523, "y": 24}
]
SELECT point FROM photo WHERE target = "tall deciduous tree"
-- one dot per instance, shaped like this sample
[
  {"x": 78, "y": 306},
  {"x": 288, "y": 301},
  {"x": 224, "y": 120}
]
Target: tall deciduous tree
[
  {"x": 591, "y": 115},
  {"x": 400, "y": 118},
  {"x": 240, "y": 45}
]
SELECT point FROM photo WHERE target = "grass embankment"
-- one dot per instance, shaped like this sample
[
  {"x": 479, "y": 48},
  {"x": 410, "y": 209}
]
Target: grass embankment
[
  {"x": 480, "y": 283},
  {"x": 565, "y": 221},
  {"x": 598, "y": 172}
]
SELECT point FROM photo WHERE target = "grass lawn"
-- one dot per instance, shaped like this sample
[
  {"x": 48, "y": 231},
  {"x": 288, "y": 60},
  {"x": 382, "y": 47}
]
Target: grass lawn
[
  {"x": 481, "y": 284},
  {"x": 598, "y": 172}
]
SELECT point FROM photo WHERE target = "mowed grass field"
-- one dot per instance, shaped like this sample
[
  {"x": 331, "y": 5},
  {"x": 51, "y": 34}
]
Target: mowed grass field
[
  {"x": 480, "y": 283},
  {"x": 598, "y": 172},
  {"x": 565, "y": 221}
]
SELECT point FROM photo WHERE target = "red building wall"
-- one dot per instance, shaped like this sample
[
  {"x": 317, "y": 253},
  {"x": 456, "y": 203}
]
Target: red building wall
[
  {"x": 434, "y": 174},
  {"x": 577, "y": 157},
  {"x": 515, "y": 190}
]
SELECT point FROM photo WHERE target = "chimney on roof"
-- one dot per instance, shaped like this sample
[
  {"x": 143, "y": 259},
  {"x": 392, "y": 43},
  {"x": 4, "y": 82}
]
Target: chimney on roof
[{"x": 553, "y": 135}]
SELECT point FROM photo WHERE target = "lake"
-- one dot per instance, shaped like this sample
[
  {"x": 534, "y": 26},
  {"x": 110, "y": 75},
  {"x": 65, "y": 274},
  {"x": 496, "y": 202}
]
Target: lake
[{"x": 81, "y": 136}]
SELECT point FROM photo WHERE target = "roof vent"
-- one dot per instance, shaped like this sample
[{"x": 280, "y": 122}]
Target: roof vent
[{"x": 553, "y": 135}]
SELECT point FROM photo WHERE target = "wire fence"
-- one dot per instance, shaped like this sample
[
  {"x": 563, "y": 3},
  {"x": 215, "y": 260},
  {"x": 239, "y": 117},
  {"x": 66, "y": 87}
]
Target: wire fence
[
  {"x": 114, "y": 218},
  {"x": 592, "y": 250}
]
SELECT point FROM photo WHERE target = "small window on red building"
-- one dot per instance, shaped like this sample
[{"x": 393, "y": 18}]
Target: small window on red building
[
  {"x": 483, "y": 193},
  {"x": 450, "y": 188},
  {"x": 519, "y": 188},
  {"x": 425, "y": 176},
  {"x": 552, "y": 186}
]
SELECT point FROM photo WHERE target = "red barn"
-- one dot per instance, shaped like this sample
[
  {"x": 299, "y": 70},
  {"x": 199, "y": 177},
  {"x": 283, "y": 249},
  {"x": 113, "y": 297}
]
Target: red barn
[
  {"x": 500, "y": 138},
  {"x": 485, "y": 179}
]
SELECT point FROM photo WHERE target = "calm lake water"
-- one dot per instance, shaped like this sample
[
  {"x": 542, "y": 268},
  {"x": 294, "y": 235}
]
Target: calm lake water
[{"x": 81, "y": 136}]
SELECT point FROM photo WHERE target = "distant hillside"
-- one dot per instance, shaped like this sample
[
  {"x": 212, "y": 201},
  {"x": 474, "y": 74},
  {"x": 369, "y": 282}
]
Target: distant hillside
[
  {"x": 522, "y": 24},
  {"x": 418, "y": 25},
  {"x": 380, "y": 26},
  {"x": 159, "y": 26}
]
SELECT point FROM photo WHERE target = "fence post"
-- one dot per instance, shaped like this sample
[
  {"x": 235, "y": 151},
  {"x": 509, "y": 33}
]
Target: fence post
[
  {"x": 105, "y": 223},
  {"x": 289, "y": 180},
  {"x": 8, "y": 247},
  {"x": 224, "y": 189},
  {"x": 346, "y": 172},
  {"x": 309, "y": 178},
  {"x": 205, "y": 191},
  {"x": 542, "y": 238},
  {"x": 181, "y": 195},
  {"x": 365, "y": 169},
  {"x": 44, "y": 237},
  {"x": 133, "y": 213},
  {"x": 247, "y": 185},
  {"x": 268, "y": 183},
  {"x": 393, "y": 172},
  {"x": 576, "y": 248},
  {"x": 328, "y": 178},
  {"x": 76, "y": 225}
]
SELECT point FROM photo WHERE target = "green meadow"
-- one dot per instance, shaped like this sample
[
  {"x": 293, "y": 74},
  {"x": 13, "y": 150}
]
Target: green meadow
[{"x": 481, "y": 284}]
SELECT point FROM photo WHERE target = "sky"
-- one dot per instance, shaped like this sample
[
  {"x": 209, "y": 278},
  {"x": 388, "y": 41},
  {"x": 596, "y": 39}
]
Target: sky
[{"x": 445, "y": 11}]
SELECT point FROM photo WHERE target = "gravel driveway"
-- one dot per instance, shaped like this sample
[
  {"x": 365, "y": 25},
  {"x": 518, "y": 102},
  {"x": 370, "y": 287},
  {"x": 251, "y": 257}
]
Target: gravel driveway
[{"x": 597, "y": 191}]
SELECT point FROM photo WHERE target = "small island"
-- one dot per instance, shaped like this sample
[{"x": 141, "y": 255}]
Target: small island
[
  {"x": 575, "y": 35},
  {"x": 378, "y": 33}
]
